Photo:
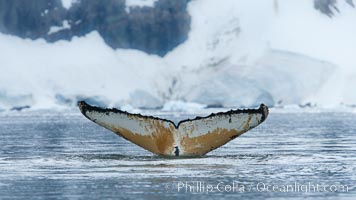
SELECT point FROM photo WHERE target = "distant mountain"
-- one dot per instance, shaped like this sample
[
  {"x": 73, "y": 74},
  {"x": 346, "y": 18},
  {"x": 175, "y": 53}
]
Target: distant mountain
[
  {"x": 215, "y": 53},
  {"x": 155, "y": 30}
]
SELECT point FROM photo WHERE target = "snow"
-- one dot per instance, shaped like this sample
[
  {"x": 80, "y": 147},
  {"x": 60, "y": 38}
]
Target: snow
[
  {"x": 142, "y": 99},
  {"x": 284, "y": 51},
  {"x": 324, "y": 39},
  {"x": 238, "y": 54},
  {"x": 45, "y": 12},
  {"x": 55, "y": 29},
  {"x": 180, "y": 106},
  {"x": 51, "y": 75},
  {"x": 139, "y": 3},
  {"x": 67, "y": 3}
]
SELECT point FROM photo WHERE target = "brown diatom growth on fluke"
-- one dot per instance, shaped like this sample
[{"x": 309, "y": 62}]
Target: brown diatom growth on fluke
[{"x": 192, "y": 137}]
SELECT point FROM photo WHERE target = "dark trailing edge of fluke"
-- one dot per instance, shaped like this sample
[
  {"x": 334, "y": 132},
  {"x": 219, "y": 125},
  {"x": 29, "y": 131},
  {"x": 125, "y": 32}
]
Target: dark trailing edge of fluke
[
  {"x": 84, "y": 107},
  {"x": 190, "y": 137}
]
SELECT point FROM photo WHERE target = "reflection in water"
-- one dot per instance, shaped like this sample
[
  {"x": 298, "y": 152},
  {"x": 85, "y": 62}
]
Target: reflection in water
[{"x": 64, "y": 155}]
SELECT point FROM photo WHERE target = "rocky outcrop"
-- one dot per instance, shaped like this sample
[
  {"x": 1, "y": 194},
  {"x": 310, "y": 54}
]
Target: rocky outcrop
[
  {"x": 30, "y": 19},
  {"x": 155, "y": 30},
  {"x": 328, "y": 7}
]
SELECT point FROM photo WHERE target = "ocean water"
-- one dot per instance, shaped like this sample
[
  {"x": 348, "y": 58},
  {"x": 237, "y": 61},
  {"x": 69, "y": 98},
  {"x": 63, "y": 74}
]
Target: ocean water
[{"x": 62, "y": 155}]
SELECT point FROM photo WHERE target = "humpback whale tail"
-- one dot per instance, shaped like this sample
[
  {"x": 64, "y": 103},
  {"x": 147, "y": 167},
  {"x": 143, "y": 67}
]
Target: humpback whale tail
[{"x": 191, "y": 137}]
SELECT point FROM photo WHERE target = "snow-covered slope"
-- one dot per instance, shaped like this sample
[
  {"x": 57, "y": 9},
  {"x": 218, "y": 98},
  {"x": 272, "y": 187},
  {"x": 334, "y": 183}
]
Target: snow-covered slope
[
  {"x": 239, "y": 53},
  {"x": 284, "y": 49},
  {"x": 60, "y": 73}
]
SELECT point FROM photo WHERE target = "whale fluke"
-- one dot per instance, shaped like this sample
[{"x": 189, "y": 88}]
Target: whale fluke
[{"x": 191, "y": 137}]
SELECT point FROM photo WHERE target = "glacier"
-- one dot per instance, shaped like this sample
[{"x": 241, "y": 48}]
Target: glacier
[{"x": 239, "y": 53}]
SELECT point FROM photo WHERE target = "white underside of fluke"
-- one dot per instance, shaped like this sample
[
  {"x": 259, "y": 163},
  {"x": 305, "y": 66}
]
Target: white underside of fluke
[{"x": 188, "y": 138}]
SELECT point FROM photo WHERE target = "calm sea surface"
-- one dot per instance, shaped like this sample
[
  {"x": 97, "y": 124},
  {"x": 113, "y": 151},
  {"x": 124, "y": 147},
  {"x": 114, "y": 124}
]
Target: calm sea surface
[{"x": 62, "y": 155}]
